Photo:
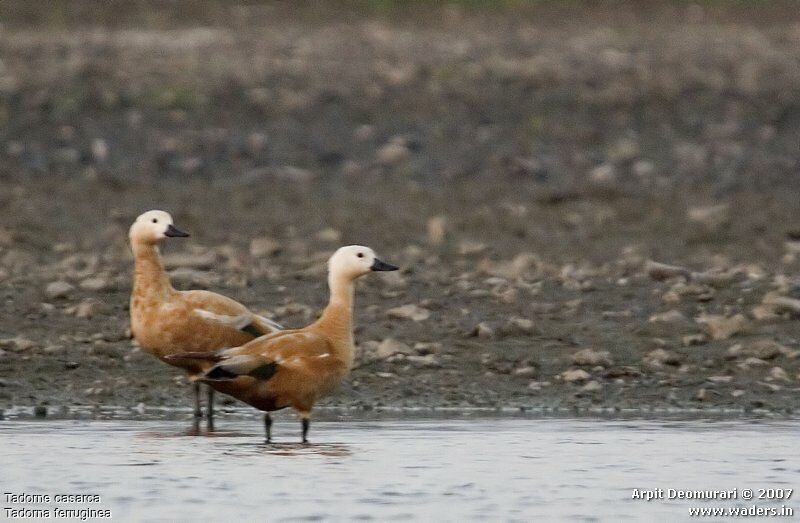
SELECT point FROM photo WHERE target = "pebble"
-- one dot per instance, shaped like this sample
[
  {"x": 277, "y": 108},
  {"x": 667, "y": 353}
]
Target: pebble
[
  {"x": 753, "y": 362},
  {"x": 734, "y": 351},
  {"x": 264, "y": 246},
  {"x": 394, "y": 280},
  {"x": 329, "y": 235},
  {"x": 525, "y": 371},
  {"x": 643, "y": 168},
  {"x": 575, "y": 375},
  {"x": 17, "y": 261},
  {"x": 604, "y": 174},
  {"x": 437, "y": 229},
  {"x": 97, "y": 284},
  {"x": 521, "y": 266},
  {"x": 658, "y": 357},
  {"x": 393, "y": 152},
  {"x": 720, "y": 379},
  {"x": 18, "y": 344},
  {"x": 592, "y": 358},
  {"x": 721, "y": 327},
  {"x": 612, "y": 315},
  {"x": 423, "y": 348},
  {"x": 470, "y": 248},
  {"x": 256, "y": 142},
  {"x": 99, "y": 150},
  {"x": 205, "y": 260},
  {"x": 85, "y": 310},
  {"x": 694, "y": 339},
  {"x": 294, "y": 174},
  {"x": 716, "y": 278},
  {"x": 625, "y": 371},
  {"x": 764, "y": 313},
  {"x": 483, "y": 330},
  {"x": 689, "y": 289},
  {"x": 592, "y": 386},
  {"x": 671, "y": 297},
  {"x": 779, "y": 374},
  {"x": 712, "y": 217},
  {"x": 390, "y": 346},
  {"x": 702, "y": 395},
  {"x": 294, "y": 308},
  {"x": 779, "y": 304},
  {"x": 185, "y": 276},
  {"x": 364, "y": 132},
  {"x": 15, "y": 148},
  {"x": 58, "y": 290},
  {"x": 409, "y": 312},
  {"x": 429, "y": 361},
  {"x": 517, "y": 325},
  {"x": 671, "y": 316},
  {"x": 760, "y": 349},
  {"x": 538, "y": 385},
  {"x": 765, "y": 349},
  {"x": 661, "y": 271}
]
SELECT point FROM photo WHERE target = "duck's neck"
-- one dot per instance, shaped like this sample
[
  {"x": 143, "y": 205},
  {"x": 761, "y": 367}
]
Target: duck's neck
[
  {"x": 337, "y": 318},
  {"x": 149, "y": 277}
]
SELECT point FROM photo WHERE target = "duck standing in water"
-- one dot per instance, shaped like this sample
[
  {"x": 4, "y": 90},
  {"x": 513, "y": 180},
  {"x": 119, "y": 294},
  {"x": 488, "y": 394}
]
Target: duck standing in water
[
  {"x": 295, "y": 368},
  {"x": 165, "y": 321}
]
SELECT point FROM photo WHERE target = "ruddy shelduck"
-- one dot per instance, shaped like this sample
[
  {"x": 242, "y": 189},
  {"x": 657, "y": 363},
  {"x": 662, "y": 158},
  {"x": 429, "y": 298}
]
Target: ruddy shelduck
[
  {"x": 165, "y": 321},
  {"x": 295, "y": 368}
]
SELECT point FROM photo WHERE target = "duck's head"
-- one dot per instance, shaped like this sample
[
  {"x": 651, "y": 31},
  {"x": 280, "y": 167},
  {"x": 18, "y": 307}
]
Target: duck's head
[
  {"x": 354, "y": 261},
  {"x": 152, "y": 227}
]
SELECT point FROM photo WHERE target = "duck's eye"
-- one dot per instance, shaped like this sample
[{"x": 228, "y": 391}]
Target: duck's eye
[
  {"x": 360, "y": 254},
  {"x": 155, "y": 220}
]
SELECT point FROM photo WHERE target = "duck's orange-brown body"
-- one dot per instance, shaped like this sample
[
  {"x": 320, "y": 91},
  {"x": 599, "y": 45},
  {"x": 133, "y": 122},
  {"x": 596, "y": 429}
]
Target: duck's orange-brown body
[
  {"x": 165, "y": 321},
  {"x": 294, "y": 368},
  {"x": 307, "y": 364}
]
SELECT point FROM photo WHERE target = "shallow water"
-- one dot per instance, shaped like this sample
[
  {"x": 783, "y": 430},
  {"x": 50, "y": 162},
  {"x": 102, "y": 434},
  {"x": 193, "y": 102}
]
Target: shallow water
[{"x": 444, "y": 469}]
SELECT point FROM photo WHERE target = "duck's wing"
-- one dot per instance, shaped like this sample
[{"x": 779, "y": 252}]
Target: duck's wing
[
  {"x": 265, "y": 325},
  {"x": 220, "y": 309},
  {"x": 225, "y": 353},
  {"x": 297, "y": 351}
]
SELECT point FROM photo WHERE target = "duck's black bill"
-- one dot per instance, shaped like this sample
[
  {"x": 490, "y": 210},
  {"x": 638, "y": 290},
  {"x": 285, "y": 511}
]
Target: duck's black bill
[
  {"x": 172, "y": 232},
  {"x": 378, "y": 265}
]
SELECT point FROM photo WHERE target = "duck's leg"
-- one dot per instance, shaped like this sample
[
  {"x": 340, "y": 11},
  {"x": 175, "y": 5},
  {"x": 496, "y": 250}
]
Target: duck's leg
[
  {"x": 305, "y": 422},
  {"x": 198, "y": 412},
  {"x": 209, "y": 402},
  {"x": 268, "y": 427},
  {"x": 210, "y": 407}
]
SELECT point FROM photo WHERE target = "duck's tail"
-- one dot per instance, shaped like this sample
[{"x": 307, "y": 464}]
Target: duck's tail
[
  {"x": 244, "y": 365},
  {"x": 195, "y": 357}
]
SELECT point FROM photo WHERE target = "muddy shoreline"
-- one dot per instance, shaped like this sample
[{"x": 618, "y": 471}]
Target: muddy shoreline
[
  {"x": 360, "y": 413},
  {"x": 529, "y": 171}
]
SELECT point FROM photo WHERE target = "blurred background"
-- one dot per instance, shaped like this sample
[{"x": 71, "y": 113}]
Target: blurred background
[{"x": 526, "y": 162}]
